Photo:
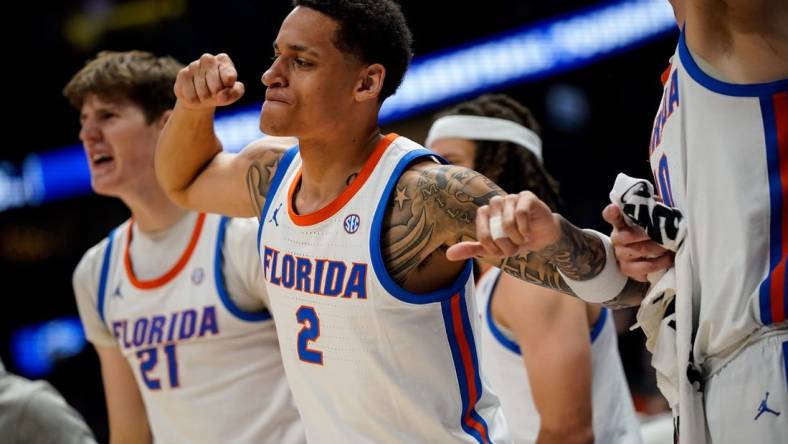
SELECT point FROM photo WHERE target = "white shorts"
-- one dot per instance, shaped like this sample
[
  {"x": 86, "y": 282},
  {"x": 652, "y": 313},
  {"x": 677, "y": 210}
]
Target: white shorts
[{"x": 746, "y": 401}]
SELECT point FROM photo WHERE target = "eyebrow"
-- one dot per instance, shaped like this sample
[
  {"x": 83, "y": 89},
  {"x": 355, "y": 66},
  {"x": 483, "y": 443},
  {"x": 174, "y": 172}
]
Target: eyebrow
[{"x": 298, "y": 48}]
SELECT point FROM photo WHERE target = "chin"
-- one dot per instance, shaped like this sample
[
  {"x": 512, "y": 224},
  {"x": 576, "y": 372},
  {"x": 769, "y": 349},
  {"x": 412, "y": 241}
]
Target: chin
[{"x": 272, "y": 127}]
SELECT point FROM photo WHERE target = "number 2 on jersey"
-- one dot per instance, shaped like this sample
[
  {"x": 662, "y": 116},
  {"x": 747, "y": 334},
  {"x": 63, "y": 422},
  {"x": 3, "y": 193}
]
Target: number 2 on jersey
[
  {"x": 310, "y": 332},
  {"x": 149, "y": 358}
]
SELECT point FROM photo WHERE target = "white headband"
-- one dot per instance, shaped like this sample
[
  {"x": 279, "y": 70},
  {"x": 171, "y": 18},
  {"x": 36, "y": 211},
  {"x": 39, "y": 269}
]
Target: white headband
[{"x": 485, "y": 128}]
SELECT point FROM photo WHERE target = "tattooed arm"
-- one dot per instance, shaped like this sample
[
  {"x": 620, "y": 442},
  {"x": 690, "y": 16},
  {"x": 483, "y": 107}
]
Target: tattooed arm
[
  {"x": 230, "y": 184},
  {"x": 435, "y": 206}
]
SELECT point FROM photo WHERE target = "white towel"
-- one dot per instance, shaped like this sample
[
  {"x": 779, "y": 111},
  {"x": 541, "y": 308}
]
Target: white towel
[{"x": 666, "y": 319}]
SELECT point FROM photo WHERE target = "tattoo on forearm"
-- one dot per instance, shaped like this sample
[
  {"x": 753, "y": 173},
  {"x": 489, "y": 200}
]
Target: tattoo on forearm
[
  {"x": 579, "y": 255},
  {"x": 259, "y": 177},
  {"x": 535, "y": 269}
]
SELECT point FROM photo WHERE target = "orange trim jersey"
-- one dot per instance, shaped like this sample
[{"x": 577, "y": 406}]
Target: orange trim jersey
[
  {"x": 207, "y": 370},
  {"x": 367, "y": 360}
]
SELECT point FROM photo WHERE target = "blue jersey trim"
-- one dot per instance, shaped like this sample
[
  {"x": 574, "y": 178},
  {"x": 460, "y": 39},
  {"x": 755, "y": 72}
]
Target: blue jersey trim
[
  {"x": 497, "y": 333},
  {"x": 775, "y": 203},
  {"x": 256, "y": 316},
  {"x": 284, "y": 165},
  {"x": 379, "y": 266},
  {"x": 513, "y": 346},
  {"x": 102, "y": 287},
  {"x": 459, "y": 366},
  {"x": 599, "y": 325},
  {"x": 724, "y": 88}
]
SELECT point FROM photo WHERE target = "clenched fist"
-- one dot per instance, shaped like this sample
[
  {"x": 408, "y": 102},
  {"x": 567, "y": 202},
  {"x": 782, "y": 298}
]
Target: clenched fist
[
  {"x": 509, "y": 225},
  {"x": 208, "y": 82}
]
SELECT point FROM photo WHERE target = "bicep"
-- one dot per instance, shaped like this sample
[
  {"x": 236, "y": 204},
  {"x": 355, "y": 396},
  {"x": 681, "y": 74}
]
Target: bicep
[
  {"x": 128, "y": 421},
  {"x": 432, "y": 206},
  {"x": 236, "y": 184}
]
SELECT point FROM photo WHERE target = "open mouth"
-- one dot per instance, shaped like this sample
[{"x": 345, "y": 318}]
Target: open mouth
[{"x": 100, "y": 159}]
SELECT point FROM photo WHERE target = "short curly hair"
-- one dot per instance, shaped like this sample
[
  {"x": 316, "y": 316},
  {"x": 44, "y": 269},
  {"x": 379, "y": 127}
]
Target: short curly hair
[
  {"x": 375, "y": 31},
  {"x": 510, "y": 166},
  {"x": 139, "y": 76}
]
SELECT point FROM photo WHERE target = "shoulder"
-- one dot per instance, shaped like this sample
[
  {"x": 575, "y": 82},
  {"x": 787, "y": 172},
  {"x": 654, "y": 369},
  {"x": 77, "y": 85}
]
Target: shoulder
[
  {"x": 89, "y": 265},
  {"x": 433, "y": 179},
  {"x": 268, "y": 148}
]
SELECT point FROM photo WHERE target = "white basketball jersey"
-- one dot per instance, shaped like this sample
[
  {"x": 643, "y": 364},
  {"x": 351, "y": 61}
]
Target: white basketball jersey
[
  {"x": 719, "y": 152},
  {"x": 368, "y": 361},
  {"x": 614, "y": 420},
  {"x": 208, "y": 372}
]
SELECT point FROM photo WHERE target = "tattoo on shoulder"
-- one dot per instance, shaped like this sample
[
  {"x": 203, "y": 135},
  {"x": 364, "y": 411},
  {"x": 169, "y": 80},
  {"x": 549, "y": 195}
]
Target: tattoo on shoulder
[{"x": 259, "y": 176}]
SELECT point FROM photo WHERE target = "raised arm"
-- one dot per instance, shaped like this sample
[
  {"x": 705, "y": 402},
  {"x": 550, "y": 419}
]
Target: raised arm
[
  {"x": 190, "y": 164},
  {"x": 746, "y": 41},
  {"x": 435, "y": 207}
]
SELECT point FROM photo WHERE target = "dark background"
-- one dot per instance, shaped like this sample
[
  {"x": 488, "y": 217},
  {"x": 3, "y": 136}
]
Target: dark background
[{"x": 39, "y": 247}]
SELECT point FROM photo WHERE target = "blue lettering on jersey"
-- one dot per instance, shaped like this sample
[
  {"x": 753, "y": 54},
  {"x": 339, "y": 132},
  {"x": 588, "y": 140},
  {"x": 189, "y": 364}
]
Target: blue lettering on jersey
[
  {"x": 670, "y": 101},
  {"x": 324, "y": 277},
  {"x": 149, "y": 331}
]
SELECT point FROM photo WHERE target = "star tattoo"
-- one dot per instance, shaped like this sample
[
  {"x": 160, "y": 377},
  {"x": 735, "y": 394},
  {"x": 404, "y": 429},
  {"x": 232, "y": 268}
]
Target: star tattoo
[{"x": 401, "y": 197}]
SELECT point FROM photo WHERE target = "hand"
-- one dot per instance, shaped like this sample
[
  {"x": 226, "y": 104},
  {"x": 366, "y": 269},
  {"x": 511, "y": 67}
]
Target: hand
[
  {"x": 208, "y": 82},
  {"x": 636, "y": 253},
  {"x": 528, "y": 223}
]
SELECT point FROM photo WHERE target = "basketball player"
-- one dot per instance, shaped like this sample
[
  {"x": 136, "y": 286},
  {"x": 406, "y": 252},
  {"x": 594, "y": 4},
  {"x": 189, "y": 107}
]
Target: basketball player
[
  {"x": 719, "y": 151},
  {"x": 374, "y": 322},
  {"x": 171, "y": 299},
  {"x": 574, "y": 389}
]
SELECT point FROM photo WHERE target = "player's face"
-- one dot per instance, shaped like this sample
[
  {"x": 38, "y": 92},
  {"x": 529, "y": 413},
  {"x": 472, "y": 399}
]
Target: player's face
[
  {"x": 460, "y": 152},
  {"x": 311, "y": 82},
  {"x": 119, "y": 145}
]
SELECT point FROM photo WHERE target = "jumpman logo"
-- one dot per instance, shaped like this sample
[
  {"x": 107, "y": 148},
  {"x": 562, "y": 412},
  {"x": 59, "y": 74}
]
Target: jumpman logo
[
  {"x": 117, "y": 293},
  {"x": 763, "y": 408},
  {"x": 276, "y": 213}
]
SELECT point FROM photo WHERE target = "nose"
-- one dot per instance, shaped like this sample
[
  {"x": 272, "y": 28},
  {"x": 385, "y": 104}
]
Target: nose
[
  {"x": 89, "y": 132},
  {"x": 274, "y": 76}
]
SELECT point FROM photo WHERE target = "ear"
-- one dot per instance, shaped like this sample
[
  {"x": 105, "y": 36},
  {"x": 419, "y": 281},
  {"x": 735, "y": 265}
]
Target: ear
[
  {"x": 370, "y": 83},
  {"x": 163, "y": 119}
]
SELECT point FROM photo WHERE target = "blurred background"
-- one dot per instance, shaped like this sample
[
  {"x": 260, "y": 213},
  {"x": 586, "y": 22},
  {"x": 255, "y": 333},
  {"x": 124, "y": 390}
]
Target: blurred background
[{"x": 589, "y": 70}]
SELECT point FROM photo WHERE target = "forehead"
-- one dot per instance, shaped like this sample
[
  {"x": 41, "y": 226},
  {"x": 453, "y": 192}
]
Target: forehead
[
  {"x": 94, "y": 101},
  {"x": 308, "y": 29}
]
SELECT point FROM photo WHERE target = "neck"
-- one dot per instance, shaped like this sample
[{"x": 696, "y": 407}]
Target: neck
[
  {"x": 328, "y": 163},
  {"x": 152, "y": 210}
]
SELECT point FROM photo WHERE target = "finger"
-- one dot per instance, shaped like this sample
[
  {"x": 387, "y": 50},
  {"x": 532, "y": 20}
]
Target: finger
[
  {"x": 509, "y": 222},
  {"x": 628, "y": 235},
  {"x": 502, "y": 243},
  {"x": 184, "y": 87},
  {"x": 213, "y": 80},
  {"x": 521, "y": 213},
  {"x": 638, "y": 270},
  {"x": 230, "y": 95},
  {"x": 464, "y": 250},
  {"x": 612, "y": 214},
  {"x": 227, "y": 72},
  {"x": 483, "y": 234},
  {"x": 198, "y": 81}
]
